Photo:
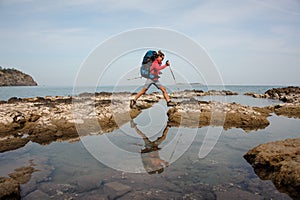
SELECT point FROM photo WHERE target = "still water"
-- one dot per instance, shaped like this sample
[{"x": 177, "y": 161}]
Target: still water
[{"x": 152, "y": 161}]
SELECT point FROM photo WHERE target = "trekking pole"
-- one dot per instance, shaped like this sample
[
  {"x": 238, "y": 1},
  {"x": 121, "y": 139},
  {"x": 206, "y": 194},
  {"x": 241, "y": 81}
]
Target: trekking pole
[
  {"x": 174, "y": 78},
  {"x": 129, "y": 79}
]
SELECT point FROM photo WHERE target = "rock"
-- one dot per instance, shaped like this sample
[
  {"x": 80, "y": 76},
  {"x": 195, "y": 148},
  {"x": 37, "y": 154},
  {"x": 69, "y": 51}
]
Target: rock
[
  {"x": 47, "y": 119},
  {"x": 288, "y": 110},
  {"x": 289, "y": 94},
  {"x": 22, "y": 174},
  {"x": 87, "y": 183},
  {"x": 235, "y": 193},
  {"x": 193, "y": 93},
  {"x": 11, "y": 143},
  {"x": 278, "y": 161},
  {"x": 9, "y": 189},
  {"x": 116, "y": 189},
  {"x": 13, "y": 77},
  {"x": 199, "y": 114},
  {"x": 37, "y": 194}
]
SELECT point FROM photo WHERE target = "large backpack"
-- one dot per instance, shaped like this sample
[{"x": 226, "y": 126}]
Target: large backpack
[{"x": 148, "y": 59}]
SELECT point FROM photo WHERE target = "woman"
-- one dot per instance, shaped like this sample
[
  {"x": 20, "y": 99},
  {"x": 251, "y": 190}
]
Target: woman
[{"x": 155, "y": 69}]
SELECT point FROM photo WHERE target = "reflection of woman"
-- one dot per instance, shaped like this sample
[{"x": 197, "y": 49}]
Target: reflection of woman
[{"x": 150, "y": 156}]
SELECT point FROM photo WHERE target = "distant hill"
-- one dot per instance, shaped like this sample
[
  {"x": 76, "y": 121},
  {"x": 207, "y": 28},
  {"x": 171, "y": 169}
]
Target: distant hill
[{"x": 13, "y": 77}]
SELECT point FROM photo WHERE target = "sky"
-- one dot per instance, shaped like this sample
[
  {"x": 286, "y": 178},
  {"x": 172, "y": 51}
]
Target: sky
[{"x": 250, "y": 42}]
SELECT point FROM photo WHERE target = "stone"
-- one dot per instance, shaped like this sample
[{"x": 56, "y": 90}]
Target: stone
[
  {"x": 278, "y": 161},
  {"x": 116, "y": 189},
  {"x": 37, "y": 194},
  {"x": 87, "y": 183},
  {"x": 9, "y": 189},
  {"x": 198, "y": 114},
  {"x": 235, "y": 193}
]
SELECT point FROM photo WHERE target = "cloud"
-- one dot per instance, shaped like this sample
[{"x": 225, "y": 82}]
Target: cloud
[
  {"x": 291, "y": 7},
  {"x": 67, "y": 29}
]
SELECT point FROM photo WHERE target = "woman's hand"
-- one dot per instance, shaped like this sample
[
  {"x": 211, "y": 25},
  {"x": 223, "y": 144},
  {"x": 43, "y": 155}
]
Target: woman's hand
[{"x": 168, "y": 63}]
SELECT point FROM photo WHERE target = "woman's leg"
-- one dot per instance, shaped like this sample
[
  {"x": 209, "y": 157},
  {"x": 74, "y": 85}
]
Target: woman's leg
[
  {"x": 164, "y": 91},
  {"x": 143, "y": 91}
]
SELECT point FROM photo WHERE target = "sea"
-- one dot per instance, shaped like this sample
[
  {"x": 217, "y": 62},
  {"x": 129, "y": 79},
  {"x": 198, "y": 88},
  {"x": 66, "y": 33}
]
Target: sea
[
  {"x": 41, "y": 91},
  {"x": 122, "y": 164}
]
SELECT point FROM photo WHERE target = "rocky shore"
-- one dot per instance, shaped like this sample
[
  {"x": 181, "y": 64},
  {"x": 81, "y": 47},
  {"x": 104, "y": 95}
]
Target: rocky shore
[{"x": 46, "y": 119}]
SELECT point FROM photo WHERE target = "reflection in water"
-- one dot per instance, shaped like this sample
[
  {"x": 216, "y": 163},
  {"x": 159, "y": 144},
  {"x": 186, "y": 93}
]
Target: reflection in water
[{"x": 150, "y": 153}]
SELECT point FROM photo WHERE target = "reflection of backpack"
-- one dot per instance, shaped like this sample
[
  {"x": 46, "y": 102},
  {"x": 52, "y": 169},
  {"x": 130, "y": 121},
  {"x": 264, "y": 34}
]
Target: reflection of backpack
[{"x": 148, "y": 59}]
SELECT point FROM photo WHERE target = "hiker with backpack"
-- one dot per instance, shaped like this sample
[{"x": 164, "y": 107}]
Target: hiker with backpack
[{"x": 150, "y": 69}]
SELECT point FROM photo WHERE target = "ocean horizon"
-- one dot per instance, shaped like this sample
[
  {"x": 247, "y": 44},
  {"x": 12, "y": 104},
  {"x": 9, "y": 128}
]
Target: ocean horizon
[{"x": 42, "y": 91}]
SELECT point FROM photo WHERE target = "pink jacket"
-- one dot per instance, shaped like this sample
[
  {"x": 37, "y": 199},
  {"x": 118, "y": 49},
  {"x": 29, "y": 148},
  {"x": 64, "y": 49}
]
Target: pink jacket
[{"x": 155, "y": 68}]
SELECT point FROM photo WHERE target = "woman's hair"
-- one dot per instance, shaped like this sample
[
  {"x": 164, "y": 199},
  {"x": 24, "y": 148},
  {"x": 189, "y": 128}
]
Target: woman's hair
[{"x": 160, "y": 53}]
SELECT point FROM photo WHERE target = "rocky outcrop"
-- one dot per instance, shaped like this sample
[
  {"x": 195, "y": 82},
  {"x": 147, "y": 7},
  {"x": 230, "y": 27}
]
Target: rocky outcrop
[
  {"x": 10, "y": 186},
  {"x": 278, "y": 161},
  {"x": 13, "y": 77},
  {"x": 47, "y": 119},
  {"x": 194, "y": 113},
  {"x": 289, "y": 94}
]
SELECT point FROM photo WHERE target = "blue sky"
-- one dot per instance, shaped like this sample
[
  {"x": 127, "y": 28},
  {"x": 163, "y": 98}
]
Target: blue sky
[{"x": 250, "y": 41}]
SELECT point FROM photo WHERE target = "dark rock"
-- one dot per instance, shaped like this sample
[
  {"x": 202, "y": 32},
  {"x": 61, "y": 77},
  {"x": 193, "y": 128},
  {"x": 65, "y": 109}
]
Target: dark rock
[
  {"x": 14, "y": 100},
  {"x": 37, "y": 194},
  {"x": 116, "y": 189},
  {"x": 9, "y": 189},
  {"x": 236, "y": 193},
  {"x": 278, "y": 161},
  {"x": 12, "y": 144},
  {"x": 87, "y": 183}
]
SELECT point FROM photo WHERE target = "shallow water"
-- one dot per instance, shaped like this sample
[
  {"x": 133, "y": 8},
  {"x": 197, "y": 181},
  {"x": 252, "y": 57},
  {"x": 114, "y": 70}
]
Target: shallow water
[{"x": 81, "y": 169}]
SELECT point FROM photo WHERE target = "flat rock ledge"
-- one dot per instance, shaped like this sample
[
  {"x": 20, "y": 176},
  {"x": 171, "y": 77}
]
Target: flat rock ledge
[
  {"x": 194, "y": 93},
  {"x": 47, "y": 119},
  {"x": 278, "y": 161},
  {"x": 193, "y": 113}
]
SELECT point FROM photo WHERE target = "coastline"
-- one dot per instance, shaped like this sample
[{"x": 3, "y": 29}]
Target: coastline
[{"x": 44, "y": 120}]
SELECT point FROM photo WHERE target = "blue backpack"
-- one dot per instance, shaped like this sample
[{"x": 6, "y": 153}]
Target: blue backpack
[{"x": 148, "y": 59}]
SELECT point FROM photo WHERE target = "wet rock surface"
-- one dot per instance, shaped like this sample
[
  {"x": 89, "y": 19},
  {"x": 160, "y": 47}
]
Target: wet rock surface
[
  {"x": 278, "y": 161},
  {"x": 194, "y": 93},
  {"x": 47, "y": 119},
  {"x": 195, "y": 113}
]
